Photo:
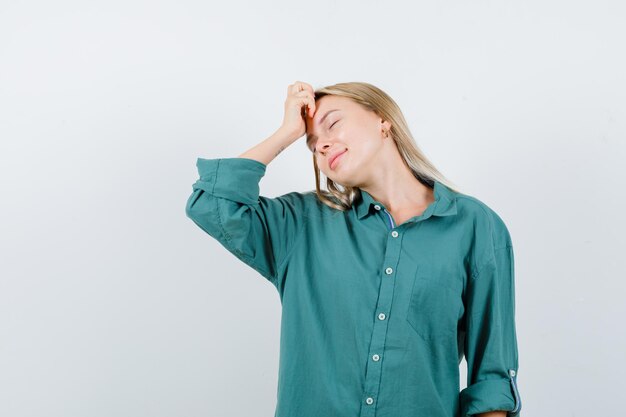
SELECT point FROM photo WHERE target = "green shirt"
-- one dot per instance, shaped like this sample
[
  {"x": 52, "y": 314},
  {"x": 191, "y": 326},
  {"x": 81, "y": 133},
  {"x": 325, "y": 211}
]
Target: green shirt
[{"x": 376, "y": 317}]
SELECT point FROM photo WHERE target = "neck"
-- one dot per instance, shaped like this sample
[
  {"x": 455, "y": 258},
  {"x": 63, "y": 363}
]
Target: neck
[{"x": 395, "y": 186}]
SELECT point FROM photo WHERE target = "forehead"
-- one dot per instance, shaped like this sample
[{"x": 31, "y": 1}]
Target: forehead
[{"x": 325, "y": 108}]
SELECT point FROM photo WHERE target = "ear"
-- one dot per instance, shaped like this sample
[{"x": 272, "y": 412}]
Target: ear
[{"x": 385, "y": 125}]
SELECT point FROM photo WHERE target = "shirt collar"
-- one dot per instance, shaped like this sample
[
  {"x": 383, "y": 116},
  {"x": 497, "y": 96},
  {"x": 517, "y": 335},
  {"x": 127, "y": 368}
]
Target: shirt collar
[{"x": 444, "y": 204}]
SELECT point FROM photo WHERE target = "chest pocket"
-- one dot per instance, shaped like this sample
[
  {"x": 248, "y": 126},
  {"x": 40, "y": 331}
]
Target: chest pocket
[{"x": 435, "y": 306}]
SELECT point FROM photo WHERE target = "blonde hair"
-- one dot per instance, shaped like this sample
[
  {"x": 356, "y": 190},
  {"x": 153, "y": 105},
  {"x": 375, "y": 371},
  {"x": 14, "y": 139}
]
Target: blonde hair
[{"x": 373, "y": 98}]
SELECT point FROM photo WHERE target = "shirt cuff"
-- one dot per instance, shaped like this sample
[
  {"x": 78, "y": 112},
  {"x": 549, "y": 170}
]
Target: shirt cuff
[
  {"x": 235, "y": 179},
  {"x": 491, "y": 395}
]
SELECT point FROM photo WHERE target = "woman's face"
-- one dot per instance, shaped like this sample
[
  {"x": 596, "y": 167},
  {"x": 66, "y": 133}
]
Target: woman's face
[{"x": 342, "y": 127}]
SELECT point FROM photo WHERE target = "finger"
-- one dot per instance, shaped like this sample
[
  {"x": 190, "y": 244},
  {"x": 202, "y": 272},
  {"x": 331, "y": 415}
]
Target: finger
[
  {"x": 296, "y": 88},
  {"x": 303, "y": 105},
  {"x": 304, "y": 95},
  {"x": 312, "y": 108},
  {"x": 305, "y": 101},
  {"x": 293, "y": 89},
  {"x": 301, "y": 86},
  {"x": 310, "y": 102}
]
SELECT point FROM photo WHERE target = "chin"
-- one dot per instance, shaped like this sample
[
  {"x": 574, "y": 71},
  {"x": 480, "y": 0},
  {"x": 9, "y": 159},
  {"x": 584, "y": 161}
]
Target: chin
[
  {"x": 344, "y": 182},
  {"x": 343, "y": 178}
]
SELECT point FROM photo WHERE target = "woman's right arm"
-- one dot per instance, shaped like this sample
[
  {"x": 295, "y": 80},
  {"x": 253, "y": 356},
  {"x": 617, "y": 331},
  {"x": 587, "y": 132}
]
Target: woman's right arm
[
  {"x": 266, "y": 151},
  {"x": 226, "y": 204},
  {"x": 293, "y": 127}
]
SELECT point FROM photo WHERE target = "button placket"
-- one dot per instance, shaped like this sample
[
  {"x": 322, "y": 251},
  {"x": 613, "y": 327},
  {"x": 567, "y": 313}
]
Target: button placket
[
  {"x": 382, "y": 313},
  {"x": 391, "y": 224}
]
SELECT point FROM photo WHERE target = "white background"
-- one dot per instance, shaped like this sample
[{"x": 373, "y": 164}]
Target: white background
[{"x": 113, "y": 303}]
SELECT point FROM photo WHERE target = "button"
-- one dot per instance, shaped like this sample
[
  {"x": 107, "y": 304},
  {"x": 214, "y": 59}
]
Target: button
[
  {"x": 369, "y": 400},
  {"x": 394, "y": 234},
  {"x": 381, "y": 316},
  {"x": 376, "y": 358},
  {"x": 512, "y": 372},
  {"x": 377, "y": 207},
  {"x": 388, "y": 271}
]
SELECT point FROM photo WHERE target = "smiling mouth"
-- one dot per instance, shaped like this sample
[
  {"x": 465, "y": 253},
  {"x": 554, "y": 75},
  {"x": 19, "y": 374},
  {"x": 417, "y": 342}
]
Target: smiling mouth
[{"x": 335, "y": 160}]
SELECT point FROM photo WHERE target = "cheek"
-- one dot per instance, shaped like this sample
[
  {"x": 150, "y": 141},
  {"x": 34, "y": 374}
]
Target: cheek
[
  {"x": 370, "y": 146},
  {"x": 360, "y": 153}
]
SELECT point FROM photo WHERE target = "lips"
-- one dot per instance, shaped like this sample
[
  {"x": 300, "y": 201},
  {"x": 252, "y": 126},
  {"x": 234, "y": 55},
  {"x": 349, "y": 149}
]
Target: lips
[{"x": 332, "y": 159}]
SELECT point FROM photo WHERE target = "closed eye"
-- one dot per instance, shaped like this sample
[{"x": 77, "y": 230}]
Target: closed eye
[{"x": 330, "y": 127}]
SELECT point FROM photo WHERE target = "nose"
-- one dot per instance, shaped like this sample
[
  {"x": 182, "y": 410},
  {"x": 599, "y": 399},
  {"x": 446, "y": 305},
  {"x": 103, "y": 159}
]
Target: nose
[{"x": 326, "y": 146}]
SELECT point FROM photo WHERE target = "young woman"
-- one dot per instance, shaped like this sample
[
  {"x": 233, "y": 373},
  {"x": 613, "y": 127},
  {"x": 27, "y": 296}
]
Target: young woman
[{"x": 386, "y": 279}]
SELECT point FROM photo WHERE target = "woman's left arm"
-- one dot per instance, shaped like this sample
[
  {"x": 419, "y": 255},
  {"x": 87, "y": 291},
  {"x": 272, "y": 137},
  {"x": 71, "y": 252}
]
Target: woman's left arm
[{"x": 490, "y": 345}]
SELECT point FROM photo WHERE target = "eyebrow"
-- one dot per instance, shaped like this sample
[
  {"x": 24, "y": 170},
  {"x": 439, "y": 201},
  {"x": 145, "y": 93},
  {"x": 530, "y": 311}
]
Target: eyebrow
[{"x": 311, "y": 137}]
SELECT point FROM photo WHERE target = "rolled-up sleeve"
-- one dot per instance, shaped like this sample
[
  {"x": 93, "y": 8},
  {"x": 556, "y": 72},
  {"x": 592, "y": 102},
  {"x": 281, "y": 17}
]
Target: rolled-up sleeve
[
  {"x": 490, "y": 344},
  {"x": 226, "y": 204}
]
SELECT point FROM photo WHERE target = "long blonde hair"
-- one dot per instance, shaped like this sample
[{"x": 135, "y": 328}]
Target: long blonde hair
[{"x": 373, "y": 98}]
